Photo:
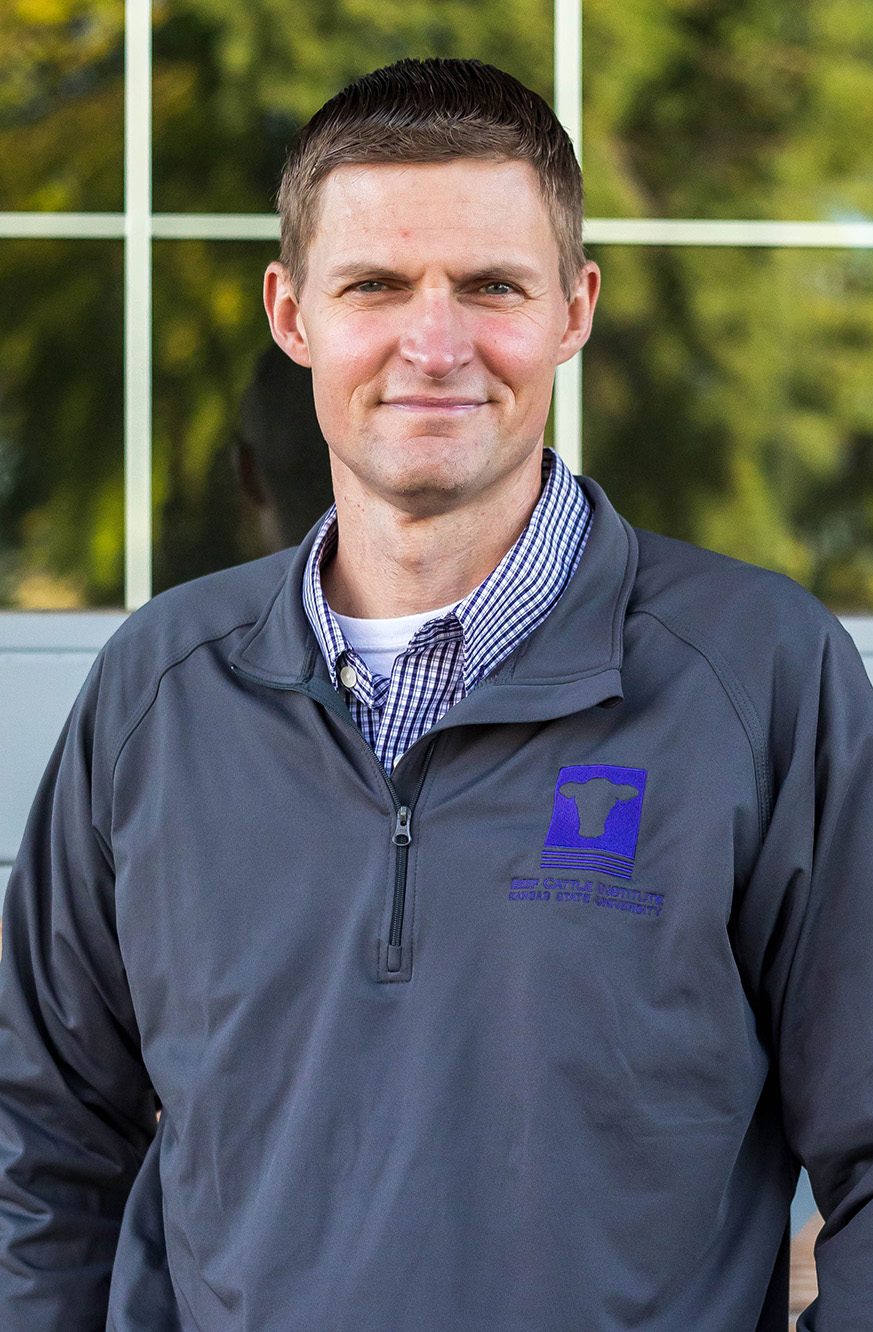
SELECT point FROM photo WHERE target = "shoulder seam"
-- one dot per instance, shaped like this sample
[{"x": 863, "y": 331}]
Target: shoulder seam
[
  {"x": 150, "y": 692},
  {"x": 740, "y": 700}
]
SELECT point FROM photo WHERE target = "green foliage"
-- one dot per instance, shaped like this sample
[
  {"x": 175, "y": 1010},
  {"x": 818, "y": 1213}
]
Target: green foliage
[
  {"x": 209, "y": 327},
  {"x": 61, "y": 467},
  {"x": 61, "y": 104},
  {"x": 728, "y": 108},
  {"x": 727, "y": 392}
]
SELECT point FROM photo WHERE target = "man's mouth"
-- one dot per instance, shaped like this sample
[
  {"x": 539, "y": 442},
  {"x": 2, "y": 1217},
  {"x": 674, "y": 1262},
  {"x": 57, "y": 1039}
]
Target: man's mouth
[{"x": 427, "y": 404}]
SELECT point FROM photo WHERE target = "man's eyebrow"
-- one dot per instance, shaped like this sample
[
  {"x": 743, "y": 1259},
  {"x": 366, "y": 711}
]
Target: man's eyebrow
[
  {"x": 359, "y": 272},
  {"x": 499, "y": 272},
  {"x": 363, "y": 272}
]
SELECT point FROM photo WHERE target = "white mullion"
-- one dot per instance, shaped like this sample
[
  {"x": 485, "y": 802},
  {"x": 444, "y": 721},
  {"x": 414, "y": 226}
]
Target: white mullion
[
  {"x": 568, "y": 108},
  {"x": 215, "y": 226},
  {"x": 137, "y": 305},
  {"x": 706, "y": 231},
  {"x": 60, "y": 226},
  {"x": 598, "y": 230}
]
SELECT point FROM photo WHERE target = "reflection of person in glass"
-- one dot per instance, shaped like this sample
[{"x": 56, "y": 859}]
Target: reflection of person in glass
[
  {"x": 319, "y": 866},
  {"x": 280, "y": 457}
]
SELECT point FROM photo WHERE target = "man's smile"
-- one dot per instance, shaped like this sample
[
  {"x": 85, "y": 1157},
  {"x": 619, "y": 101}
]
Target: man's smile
[{"x": 423, "y": 404}]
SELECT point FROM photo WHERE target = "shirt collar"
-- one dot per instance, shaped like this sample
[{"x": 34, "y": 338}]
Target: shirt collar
[
  {"x": 505, "y": 607},
  {"x": 520, "y": 592},
  {"x": 324, "y": 623}
]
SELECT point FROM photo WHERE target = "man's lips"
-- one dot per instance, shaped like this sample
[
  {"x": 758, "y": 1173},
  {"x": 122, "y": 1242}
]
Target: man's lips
[{"x": 415, "y": 404}]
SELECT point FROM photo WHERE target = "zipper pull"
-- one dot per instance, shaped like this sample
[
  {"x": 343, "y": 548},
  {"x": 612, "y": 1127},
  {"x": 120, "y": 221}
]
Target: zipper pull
[
  {"x": 402, "y": 830},
  {"x": 395, "y": 957}
]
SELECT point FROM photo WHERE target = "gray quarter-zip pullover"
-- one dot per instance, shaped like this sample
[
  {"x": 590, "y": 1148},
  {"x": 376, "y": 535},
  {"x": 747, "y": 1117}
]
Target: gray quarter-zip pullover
[{"x": 530, "y": 1037}]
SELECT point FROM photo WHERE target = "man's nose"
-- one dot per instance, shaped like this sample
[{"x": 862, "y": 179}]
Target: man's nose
[{"x": 435, "y": 338}]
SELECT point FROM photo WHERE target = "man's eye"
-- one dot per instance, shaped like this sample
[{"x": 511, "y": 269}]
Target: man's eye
[
  {"x": 372, "y": 284},
  {"x": 505, "y": 287}
]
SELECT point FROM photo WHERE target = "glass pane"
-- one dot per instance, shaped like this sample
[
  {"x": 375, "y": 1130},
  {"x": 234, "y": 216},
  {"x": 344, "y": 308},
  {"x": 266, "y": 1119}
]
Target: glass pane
[
  {"x": 62, "y": 105},
  {"x": 61, "y": 433},
  {"x": 240, "y": 467},
  {"x": 744, "y": 110},
  {"x": 728, "y": 402},
  {"x": 233, "y": 82}
]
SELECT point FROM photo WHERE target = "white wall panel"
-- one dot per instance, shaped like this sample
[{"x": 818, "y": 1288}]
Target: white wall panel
[
  {"x": 44, "y": 659},
  {"x": 57, "y": 631},
  {"x": 861, "y": 629},
  {"x": 43, "y": 686}
]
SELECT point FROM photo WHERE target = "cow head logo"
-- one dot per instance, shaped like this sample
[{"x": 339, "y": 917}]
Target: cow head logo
[
  {"x": 595, "y": 800},
  {"x": 596, "y": 819}
]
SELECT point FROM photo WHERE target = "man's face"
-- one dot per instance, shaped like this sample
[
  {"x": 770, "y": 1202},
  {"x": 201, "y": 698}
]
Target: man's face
[{"x": 433, "y": 319}]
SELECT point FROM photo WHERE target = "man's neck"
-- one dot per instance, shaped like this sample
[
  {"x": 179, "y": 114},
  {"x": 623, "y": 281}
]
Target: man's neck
[{"x": 390, "y": 562}]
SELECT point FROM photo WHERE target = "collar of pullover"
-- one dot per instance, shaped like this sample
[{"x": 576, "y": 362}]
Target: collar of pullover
[{"x": 571, "y": 661}]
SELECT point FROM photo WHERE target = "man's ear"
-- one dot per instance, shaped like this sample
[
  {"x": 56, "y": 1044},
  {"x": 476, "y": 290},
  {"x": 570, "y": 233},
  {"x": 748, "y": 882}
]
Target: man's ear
[
  {"x": 283, "y": 312},
  {"x": 580, "y": 312}
]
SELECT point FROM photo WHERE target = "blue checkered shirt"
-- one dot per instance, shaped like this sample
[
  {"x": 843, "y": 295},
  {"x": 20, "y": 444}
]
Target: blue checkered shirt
[{"x": 449, "y": 656}]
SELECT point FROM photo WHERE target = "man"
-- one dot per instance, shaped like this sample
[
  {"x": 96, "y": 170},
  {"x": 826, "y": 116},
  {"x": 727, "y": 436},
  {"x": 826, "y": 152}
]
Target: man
[{"x": 483, "y": 888}]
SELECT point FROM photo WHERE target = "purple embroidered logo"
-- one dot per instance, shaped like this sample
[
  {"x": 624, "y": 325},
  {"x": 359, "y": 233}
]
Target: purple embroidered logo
[{"x": 595, "y": 820}]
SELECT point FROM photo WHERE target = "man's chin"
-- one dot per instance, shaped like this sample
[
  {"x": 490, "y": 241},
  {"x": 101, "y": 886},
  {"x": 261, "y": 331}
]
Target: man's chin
[
  {"x": 431, "y": 476},
  {"x": 426, "y": 494},
  {"x": 427, "y": 476}
]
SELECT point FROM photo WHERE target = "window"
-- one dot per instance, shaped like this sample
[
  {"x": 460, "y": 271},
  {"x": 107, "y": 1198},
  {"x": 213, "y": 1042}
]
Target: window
[{"x": 729, "y": 191}]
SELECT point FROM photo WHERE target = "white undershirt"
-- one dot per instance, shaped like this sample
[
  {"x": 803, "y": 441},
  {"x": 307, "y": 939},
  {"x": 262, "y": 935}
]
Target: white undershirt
[{"x": 380, "y": 642}]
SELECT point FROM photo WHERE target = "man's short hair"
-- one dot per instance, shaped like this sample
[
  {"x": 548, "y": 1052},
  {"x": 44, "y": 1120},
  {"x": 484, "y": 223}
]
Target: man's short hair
[{"x": 434, "y": 110}]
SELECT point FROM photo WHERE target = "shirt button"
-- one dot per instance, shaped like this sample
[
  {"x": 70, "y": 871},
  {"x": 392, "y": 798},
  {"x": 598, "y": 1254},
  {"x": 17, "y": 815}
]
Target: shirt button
[{"x": 349, "y": 676}]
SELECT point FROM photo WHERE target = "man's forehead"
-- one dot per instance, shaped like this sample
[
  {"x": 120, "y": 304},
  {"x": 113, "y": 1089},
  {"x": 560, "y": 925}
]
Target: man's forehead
[
  {"x": 476, "y": 176},
  {"x": 387, "y": 211}
]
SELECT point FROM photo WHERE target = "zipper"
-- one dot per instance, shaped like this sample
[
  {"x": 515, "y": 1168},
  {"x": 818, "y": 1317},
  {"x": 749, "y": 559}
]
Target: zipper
[
  {"x": 401, "y": 836},
  {"x": 402, "y": 839}
]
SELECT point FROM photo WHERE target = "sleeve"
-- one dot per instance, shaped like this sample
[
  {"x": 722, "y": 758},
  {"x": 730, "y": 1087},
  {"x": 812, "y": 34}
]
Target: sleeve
[
  {"x": 806, "y": 934},
  {"x": 77, "y": 1112}
]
